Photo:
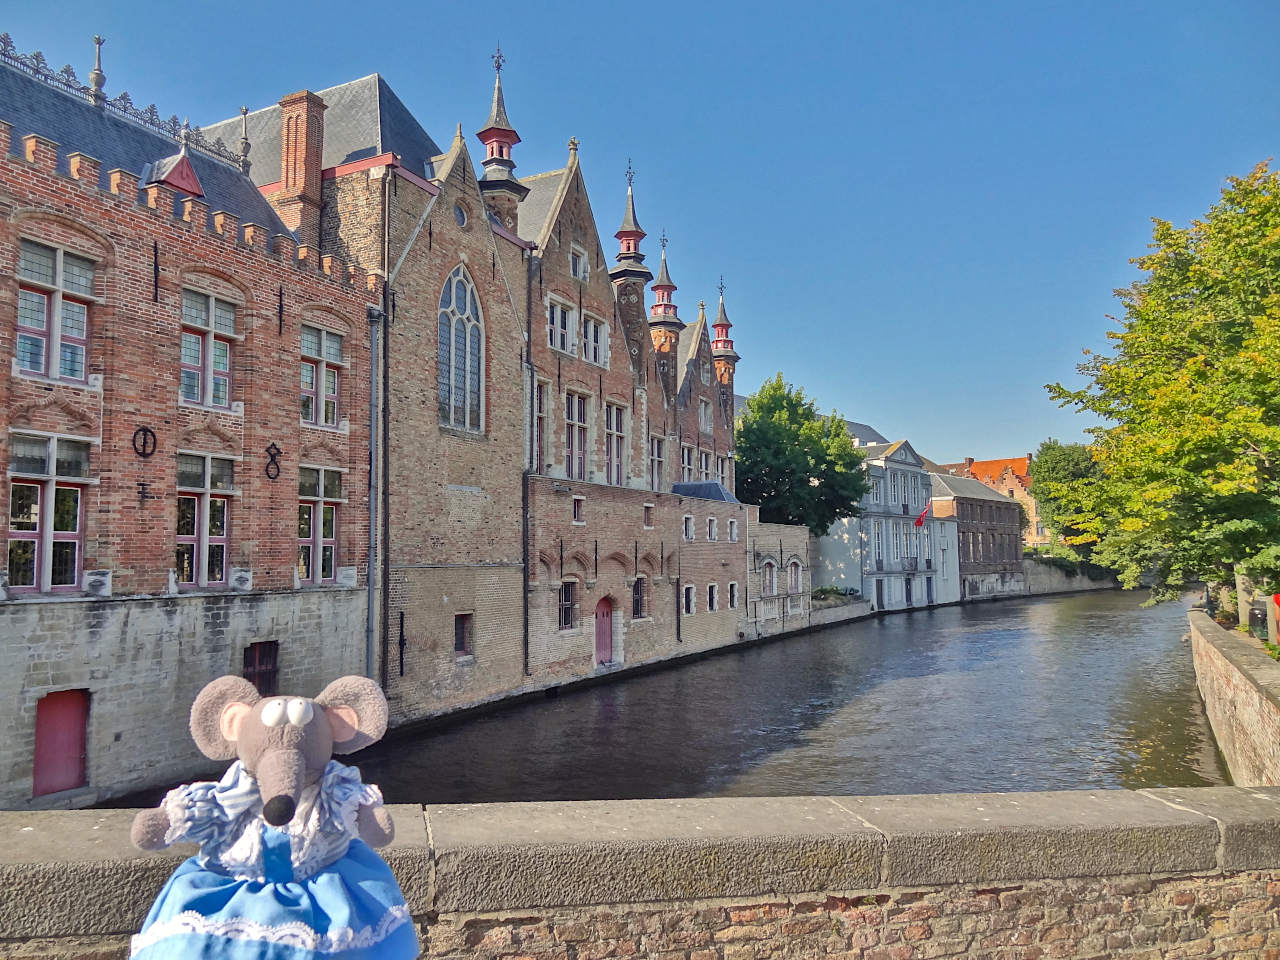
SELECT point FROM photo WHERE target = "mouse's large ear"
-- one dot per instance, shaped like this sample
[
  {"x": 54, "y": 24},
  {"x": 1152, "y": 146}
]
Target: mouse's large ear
[
  {"x": 216, "y": 715},
  {"x": 357, "y": 712}
]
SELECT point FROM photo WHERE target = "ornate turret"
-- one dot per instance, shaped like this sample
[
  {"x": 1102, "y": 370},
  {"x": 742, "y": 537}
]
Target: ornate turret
[
  {"x": 502, "y": 191},
  {"x": 664, "y": 319},
  {"x": 723, "y": 356},
  {"x": 630, "y": 259}
]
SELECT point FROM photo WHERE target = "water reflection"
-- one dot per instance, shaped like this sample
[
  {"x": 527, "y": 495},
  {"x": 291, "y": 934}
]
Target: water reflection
[{"x": 1070, "y": 692}]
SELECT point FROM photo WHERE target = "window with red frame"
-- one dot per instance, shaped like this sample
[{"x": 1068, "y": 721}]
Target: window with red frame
[
  {"x": 55, "y": 291},
  {"x": 321, "y": 374},
  {"x": 319, "y": 496},
  {"x": 575, "y": 436},
  {"x": 47, "y": 478},
  {"x": 208, "y": 338},
  {"x": 205, "y": 488}
]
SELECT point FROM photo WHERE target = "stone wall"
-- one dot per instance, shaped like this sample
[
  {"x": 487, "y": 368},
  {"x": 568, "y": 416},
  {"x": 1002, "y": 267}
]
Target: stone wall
[
  {"x": 1043, "y": 578},
  {"x": 1151, "y": 874},
  {"x": 142, "y": 661},
  {"x": 1240, "y": 686}
]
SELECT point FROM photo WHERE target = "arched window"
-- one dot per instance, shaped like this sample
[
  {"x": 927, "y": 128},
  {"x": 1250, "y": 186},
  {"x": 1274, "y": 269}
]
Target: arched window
[
  {"x": 459, "y": 374},
  {"x": 793, "y": 576},
  {"x": 768, "y": 579}
]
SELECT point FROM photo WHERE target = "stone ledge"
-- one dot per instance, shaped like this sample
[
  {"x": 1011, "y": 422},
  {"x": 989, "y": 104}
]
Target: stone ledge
[
  {"x": 74, "y": 873},
  {"x": 1242, "y": 652}
]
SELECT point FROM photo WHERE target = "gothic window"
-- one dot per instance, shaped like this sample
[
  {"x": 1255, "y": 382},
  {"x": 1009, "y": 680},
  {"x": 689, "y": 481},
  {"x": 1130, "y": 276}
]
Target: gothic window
[
  {"x": 321, "y": 368},
  {"x": 459, "y": 378}
]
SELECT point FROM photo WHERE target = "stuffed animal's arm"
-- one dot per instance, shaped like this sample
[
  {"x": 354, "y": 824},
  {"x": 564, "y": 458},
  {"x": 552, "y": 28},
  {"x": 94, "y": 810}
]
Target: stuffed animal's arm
[
  {"x": 149, "y": 829},
  {"x": 374, "y": 825}
]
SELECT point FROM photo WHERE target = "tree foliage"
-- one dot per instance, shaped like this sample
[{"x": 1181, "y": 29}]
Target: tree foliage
[
  {"x": 799, "y": 466},
  {"x": 1187, "y": 485},
  {"x": 1055, "y": 469}
]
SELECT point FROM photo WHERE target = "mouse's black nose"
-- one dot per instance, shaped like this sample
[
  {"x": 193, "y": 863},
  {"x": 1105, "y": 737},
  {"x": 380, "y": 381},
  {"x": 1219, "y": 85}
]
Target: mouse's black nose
[{"x": 278, "y": 810}]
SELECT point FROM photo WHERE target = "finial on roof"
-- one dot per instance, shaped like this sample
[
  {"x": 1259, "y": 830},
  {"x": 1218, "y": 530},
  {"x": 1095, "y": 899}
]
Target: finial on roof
[
  {"x": 631, "y": 174},
  {"x": 573, "y": 145},
  {"x": 498, "y": 109},
  {"x": 664, "y": 277},
  {"x": 458, "y": 134},
  {"x": 244, "y": 140},
  {"x": 662, "y": 241},
  {"x": 721, "y": 287},
  {"x": 97, "y": 79},
  {"x": 499, "y": 61},
  {"x": 184, "y": 136}
]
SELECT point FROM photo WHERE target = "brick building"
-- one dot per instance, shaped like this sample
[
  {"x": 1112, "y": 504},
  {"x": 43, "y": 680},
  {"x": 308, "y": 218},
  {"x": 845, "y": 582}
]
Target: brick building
[
  {"x": 1012, "y": 477},
  {"x": 990, "y": 536},
  {"x": 177, "y": 509},
  {"x": 553, "y": 485}
]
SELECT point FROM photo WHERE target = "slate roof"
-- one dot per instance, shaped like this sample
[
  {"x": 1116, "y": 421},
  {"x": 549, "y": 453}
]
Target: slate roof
[
  {"x": 364, "y": 118},
  {"x": 708, "y": 490},
  {"x": 536, "y": 207},
  {"x": 688, "y": 342},
  {"x": 33, "y": 106},
  {"x": 664, "y": 278},
  {"x": 945, "y": 486},
  {"x": 498, "y": 110},
  {"x": 866, "y": 435}
]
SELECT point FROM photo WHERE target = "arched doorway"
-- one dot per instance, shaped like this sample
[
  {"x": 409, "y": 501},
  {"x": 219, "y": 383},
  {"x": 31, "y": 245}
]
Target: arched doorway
[{"x": 604, "y": 631}]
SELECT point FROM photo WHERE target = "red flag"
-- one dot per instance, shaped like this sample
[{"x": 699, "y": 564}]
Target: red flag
[{"x": 920, "y": 519}]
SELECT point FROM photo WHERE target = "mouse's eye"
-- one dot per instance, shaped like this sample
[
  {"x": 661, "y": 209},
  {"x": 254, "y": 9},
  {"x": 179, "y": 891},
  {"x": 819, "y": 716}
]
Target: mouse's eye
[
  {"x": 273, "y": 713},
  {"x": 300, "y": 712}
]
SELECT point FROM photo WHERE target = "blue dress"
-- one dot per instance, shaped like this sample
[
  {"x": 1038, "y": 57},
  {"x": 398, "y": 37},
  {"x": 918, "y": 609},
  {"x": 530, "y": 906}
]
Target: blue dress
[{"x": 310, "y": 890}]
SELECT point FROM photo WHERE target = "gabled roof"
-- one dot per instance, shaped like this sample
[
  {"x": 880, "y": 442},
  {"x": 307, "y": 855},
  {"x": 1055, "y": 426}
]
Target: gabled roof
[
  {"x": 900, "y": 450},
  {"x": 863, "y": 435},
  {"x": 689, "y": 340},
  {"x": 945, "y": 486},
  {"x": 989, "y": 471},
  {"x": 364, "y": 118},
  {"x": 31, "y": 105},
  {"x": 536, "y": 208}
]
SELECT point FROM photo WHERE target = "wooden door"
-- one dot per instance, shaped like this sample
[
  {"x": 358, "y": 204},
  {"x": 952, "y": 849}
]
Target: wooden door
[
  {"x": 604, "y": 631},
  {"x": 61, "y": 722}
]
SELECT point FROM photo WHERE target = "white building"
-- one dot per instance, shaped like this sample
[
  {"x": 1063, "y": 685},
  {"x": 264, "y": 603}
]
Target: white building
[{"x": 883, "y": 554}]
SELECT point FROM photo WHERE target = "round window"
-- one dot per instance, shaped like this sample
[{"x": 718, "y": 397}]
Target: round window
[{"x": 459, "y": 214}]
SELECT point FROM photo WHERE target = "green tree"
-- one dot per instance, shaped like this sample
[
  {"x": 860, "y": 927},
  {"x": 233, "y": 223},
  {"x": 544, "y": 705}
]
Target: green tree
[
  {"x": 1055, "y": 469},
  {"x": 799, "y": 466},
  {"x": 1187, "y": 485}
]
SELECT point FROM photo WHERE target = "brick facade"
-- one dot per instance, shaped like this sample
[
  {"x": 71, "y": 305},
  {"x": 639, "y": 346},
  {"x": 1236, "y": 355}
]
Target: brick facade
[{"x": 990, "y": 536}]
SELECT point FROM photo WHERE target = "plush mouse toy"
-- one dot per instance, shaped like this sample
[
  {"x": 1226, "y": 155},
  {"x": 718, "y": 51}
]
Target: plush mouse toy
[{"x": 285, "y": 870}]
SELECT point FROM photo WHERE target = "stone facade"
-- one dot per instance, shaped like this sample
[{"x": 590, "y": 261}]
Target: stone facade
[{"x": 780, "y": 587}]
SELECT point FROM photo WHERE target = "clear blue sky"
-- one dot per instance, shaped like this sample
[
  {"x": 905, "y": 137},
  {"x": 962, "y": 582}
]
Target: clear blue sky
[{"x": 920, "y": 211}]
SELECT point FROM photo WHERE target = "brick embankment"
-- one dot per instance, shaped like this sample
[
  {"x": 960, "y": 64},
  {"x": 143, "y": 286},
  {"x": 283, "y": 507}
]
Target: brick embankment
[
  {"x": 1240, "y": 685},
  {"x": 1160, "y": 873}
]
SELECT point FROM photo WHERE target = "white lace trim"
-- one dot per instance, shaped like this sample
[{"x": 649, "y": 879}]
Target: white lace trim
[{"x": 296, "y": 934}]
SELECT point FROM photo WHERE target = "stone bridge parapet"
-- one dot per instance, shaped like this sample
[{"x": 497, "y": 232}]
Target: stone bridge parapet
[{"x": 1153, "y": 873}]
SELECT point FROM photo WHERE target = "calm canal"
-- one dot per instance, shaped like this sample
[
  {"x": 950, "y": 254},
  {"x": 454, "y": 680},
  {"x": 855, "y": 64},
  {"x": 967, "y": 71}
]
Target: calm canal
[{"x": 1080, "y": 691}]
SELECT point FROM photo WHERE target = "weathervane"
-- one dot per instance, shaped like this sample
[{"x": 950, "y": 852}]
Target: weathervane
[
  {"x": 722, "y": 286},
  {"x": 498, "y": 59},
  {"x": 663, "y": 239},
  {"x": 631, "y": 174}
]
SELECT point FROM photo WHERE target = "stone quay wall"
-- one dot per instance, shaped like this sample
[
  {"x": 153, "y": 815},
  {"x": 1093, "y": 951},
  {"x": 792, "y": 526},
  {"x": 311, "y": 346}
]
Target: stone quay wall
[
  {"x": 1160, "y": 873},
  {"x": 1240, "y": 686},
  {"x": 1042, "y": 578}
]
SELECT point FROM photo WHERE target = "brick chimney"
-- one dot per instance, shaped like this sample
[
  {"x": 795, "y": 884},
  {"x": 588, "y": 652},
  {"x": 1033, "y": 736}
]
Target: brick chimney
[
  {"x": 301, "y": 150},
  {"x": 968, "y": 466}
]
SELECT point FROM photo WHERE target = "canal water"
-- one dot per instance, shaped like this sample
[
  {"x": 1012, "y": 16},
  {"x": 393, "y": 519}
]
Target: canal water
[{"x": 1078, "y": 691}]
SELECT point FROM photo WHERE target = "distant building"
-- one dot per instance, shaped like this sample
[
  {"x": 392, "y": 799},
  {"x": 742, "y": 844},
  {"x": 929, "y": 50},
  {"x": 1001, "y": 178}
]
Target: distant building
[
  {"x": 882, "y": 554},
  {"x": 990, "y": 537},
  {"x": 1012, "y": 477},
  {"x": 861, "y": 434}
]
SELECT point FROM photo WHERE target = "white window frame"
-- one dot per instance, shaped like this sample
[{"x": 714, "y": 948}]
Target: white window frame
[
  {"x": 583, "y": 270},
  {"x": 686, "y": 463},
  {"x": 203, "y": 496},
  {"x": 657, "y": 452},
  {"x": 209, "y": 336},
  {"x": 573, "y": 607},
  {"x": 647, "y": 516},
  {"x": 713, "y": 598},
  {"x": 55, "y": 293},
  {"x": 595, "y": 341},
  {"x": 722, "y": 471},
  {"x": 317, "y": 541},
  {"x": 49, "y": 482},
  {"x": 733, "y": 531},
  {"x": 579, "y": 511},
  {"x": 615, "y": 444},
  {"x": 577, "y": 436},
  {"x": 733, "y": 595},
  {"x": 562, "y": 326},
  {"x": 712, "y": 530},
  {"x": 704, "y": 466},
  {"x": 690, "y": 606},
  {"x": 687, "y": 528},
  {"x": 706, "y": 423},
  {"x": 322, "y": 365}
]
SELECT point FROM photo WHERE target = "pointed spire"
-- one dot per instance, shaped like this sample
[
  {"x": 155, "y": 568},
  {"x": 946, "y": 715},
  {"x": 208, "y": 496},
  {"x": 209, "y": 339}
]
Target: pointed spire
[
  {"x": 629, "y": 222},
  {"x": 630, "y": 259},
  {"x": 498, "y": 110},
  {"x": 722, "y": 351},
  {"x": 664, "y": 278},
  {"x": 502, "y": 191},
  {"x": 722, "y": 318},
  {"x": 97, "y": 79}
]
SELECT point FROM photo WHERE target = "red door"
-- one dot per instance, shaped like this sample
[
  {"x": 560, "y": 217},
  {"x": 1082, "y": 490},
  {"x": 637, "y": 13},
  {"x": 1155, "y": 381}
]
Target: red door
[
  {"x": 604, "y": 631},
  {"x": 61, "y": 721}
]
